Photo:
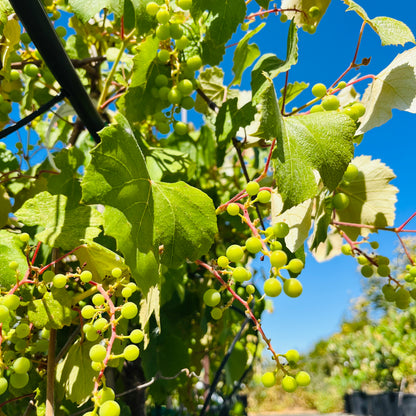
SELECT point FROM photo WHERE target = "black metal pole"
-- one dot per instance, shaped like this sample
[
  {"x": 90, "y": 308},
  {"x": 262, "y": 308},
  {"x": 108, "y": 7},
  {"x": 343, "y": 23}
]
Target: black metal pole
[{"x": 40, "y": 29}]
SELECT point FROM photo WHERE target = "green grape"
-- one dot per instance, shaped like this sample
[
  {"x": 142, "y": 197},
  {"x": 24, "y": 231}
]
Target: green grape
[
  {"x": 292, "y": 287},
  {"x": 340, "y": 201},
  {"x": 109, "y": 408},
  {"x": 303, "y": 378},
  {"x": 383, "y": 260},
  {"x": 185, "y": 87},
  {"x": 3, "y": 385},
  {"x": 280, "y": 230},
  {"x": 20, "y": 345},
  {"x": 316, "y": 108},
  {"x": 412, "y": 270},
  {"x": 13, "y": 265},
  {"x": 212, "y": 297},
  {"x": 194, "y": 63},
  {"x": 374, "y": 245},
  {"x": 91, "y": 334},
  {"x": 105, "y": 394},
  {"x": 383, "y": 270},
  {"x": 283, "y": 17},
  {"x": 11, "y": 301},
  {"x": 359, "y": 108},
  {"x": 309, "y": 29},
  {"x": 116, "y": 272},
  {"x": 330, "y": 103},
  {"x": 223, "y": 262},
  {"x": 351, "y": 112},
  {"x": 88, "y": 311},
  {"x": 252, "y": 188},
  {"x": 87, "y": 327},
  {"x": 174, "y": 96},
  {"x": 253, "y": 245},
  {"x": 129, "y": 310},
  {"x": 24, "y": 237},
  {"x": 22, "y": 330},
  {"x": 351, "y": 172},
  {"x": 60, "y": 31},
  {"x": 244, "y": 26},
  {"x": 86, "y": 276},
  {"x": 131, "y": 352},
  {"x": 389, "y": 292},
  {"x": 98, "y": 299},
  {"x": 136, "y": 336},
  {"x": 295, "y": 265},
  {"x": 250, "y": 289},
  {"x": 319, "y": 90},
  {"x": 233, "y": 209},
  {"x": 314, "y": 12},
  {"x": 161, "y": 80},
  {"x": 163, "y": 128},
  {"x": 361, "y": 259},
  {"x": 21, "y": 365},
  {"x": 184, "y": 4},
  {"x": 180, "y": 128},
  {"x": 234, "y": 253},
  {"x": 264, "y": 196},
  {"x": 278, "y": 258},
  {"x": 96, "y": 366},
  {"x": 289, "y": 384},
  {"x": 272, "y": 287},
  {"x": 176, "y": 31},
  {"x": 402, "y": 298},
  {"x": 100, "y": 324},
  {"x": 240, "y": 274},
  {"x": 367, "y": 270},
  {"x": 341, "y": 85},
  {"x": 152, "y": 8},
  {"x": 181, "y": 43},
  {"x": 126, "y": 292},
  {"x": 346, "y": 249},
  {"x": 409, "y": 278},
  {"x": 97, "y": 353},
  {"x": 163, "y": 32},
  {"x": 216, "y": 313},
  {"x": 268, "y": 379},
  {"x": 59, "y": 281},
  {"x": 31, "y": 70},
  {"x": 18, "y": 381},
  {"x": 4, "y": 314},
  {"x": 163, "y": 16},
  {"x": 187, "y": 103},
  {"x": 132, "y": 286},
  {"x": 276, "y": 245},
  {"x": 292, "y": 356},
  {"x": 163, "y": 55},
  {"x": 25, "y": 38},
  {"x": 48, "y": 276}
]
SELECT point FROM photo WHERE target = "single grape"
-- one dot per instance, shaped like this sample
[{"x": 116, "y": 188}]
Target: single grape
[
  {"x": 316, "y": 108},
  {"x": 11, "y": 301},
  {"x": 105, "y": 394},
  {"x": 292, "y": 356},
  {"x": 367, "y": 270},
  {"x": 88, "y": 311},
  {"x": 361, "y": 259},
  {"x": 163, "y": 55},
  {"x": 340, "y": 201},
  {"x": 18, "y": 381},
  {"x": 412, "y": 270},
  {"x": 212, "y": 297},
  {"x": 181, "y": 43},
  {"x": 240, "y": 274},
  {"x": 389, "y": 292},
  {"x": 132, "y": 286},
  {"x": 22, "y": 330},
  {"x": 21, "y": 365},
  {"x": 374, "y": 245},
  {"x": 96, "y": 366},
  {"x": 253, "y": 245},
  {"x": 276, "y": 245},
  {"x": 359, "y": 108},
  {"x": 292, "y": 287},
  {"x": 31, "y": 70},
  {"x": 4, "y": 314},
  {"x": 330, "y": 103},
  {"x": 283, "y": 18},
  {"x": 383, "y": 260},
  {"x": 314, "y": 12},
  {"x": 24, "y": 237},
  {"x": 86, "y": 276},
  {"x": 278, "y": 258},
  {"x": 161, "y": 80},
  {"x": 280, "y": 230},
  {"x": 131, "y": 352},
  {"x": 351, "y": 112},
  {"x": 48, "y": 276},
  {"x": 3, "y": 385},
  {"x": 13, "y": 265},
  {"x": 295, "y": 266},
  {"x": 272, "y": 287},
  {"x": 116, "y": 272},
  {"x": 180, "y": 128},
  {"x": 98, "y": 299},
  {"x": 176, "y": 31},
  {"x": 303, "y": 378},
  {"x": 351, "y": 172},
  {"x": 252, "y": 188},
  {"x": 174, "y": 96},
  {"x": 185, "y": 87},
  {"x": 402, "y": 298},
  {"x": 184, "y": 4},
  {"x": 233, "y": 209},
  {"x": 164, "y": 128},
  {"x": 126, "y": 292},
  {"x": 346, "y": 250},
  {"x": 268, "y": 379},
  {"x": 97, "y": 353},
  {"x": 223, "y": 262},
  {"x": 129, "y": 310},
  {"x": 163, "y": 16},
  {"x": 409, "y": 278},
  {"x": 136, "y": 336},
  {"x": 194, "y": 63},
  {"x": 216, "y": 313},
  {"x": 20, "y": 345},
  {"x": 163, "y": 32},
  {"x": 59, "y": 281},
  {"x": 250, "y": 289},
  {"x": 91, "y": 334},
  {"x": 383, "y": 270},
  {"x": 264, "y": 196},
  {"x": 234, "y": 253},
  {"x": 109, "y": 408},
  {"x": 289, "y": 384},
  {"x": 25, "y": 38},
  {"x": 319, "y": 90},
  {"x": 309, "y": 29},
  {"x": 341, "y": 85},
  {"x": 100, "y": 324},
  {"x": 187, "y": 103},
  {"x": 152, "y": 8}
]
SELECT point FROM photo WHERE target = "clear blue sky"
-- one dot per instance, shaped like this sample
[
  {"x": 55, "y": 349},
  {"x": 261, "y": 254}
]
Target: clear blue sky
[{"x": 329, "y": 287}]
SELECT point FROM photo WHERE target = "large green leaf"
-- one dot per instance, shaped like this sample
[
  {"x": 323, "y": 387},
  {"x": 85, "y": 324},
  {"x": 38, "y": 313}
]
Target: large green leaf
[
  {"x": 372, "y": 197},
  {"x": 11, "y": 249},
  {"x": 63, "y": 225},
  {"x": 5, "y": 206},
  {"x": 394, "y": 87}
]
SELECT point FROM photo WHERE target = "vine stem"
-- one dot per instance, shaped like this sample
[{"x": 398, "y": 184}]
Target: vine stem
[
  {"x": 58, "y": 260},
  {"x": 404, "y": 248},
  {"x": 50, "y": 376}
]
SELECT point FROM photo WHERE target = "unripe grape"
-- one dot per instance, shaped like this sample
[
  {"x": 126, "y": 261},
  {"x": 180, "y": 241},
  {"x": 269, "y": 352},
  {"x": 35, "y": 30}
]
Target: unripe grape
[
  {"x": 22, "y": 330},
  {"x": 174, "y": 96},
  {"x": 212, "y": 297},
  {"x": 161, "y": 80},
  {"x": 253, "y": 245},
  {"x": 152, "y": 8},
  {"x": 19, "y": 381},
  {"x": 184, "y": 4},
  {"x": 240, "y": 274},
  {"x": 132, "y": 286},
  {"x": 367, "y": 270},
  {"x": 314, "y": 12},
  {"x": 21, "y": 365},
  {"x": 351, "y": 112},
  {"x": 131, "y": 352},
  {"x": 96, "y": 366},
  {"x": 233, "y": 209},
  {"x": 409, "y": 278},
  {"x": 187, "y": 103},
  {"x": 412, "y": 270},
  {"x": 295, "y": 266},
  {"x": 330, "y": 103},
  {"x": 129, "y": 310},
  {"x": 116, "y": 272},
  {"x": 163, "y": 32},
  {"x": 86, "y": 276},
  {"x": 136, "y": 336},
  {"x": 234, "y": 253},
  {"x": 292, "y": 356},
  {"x": 4, "y": 314},
  {"x": 268, "y": 379},
  {"x": 216, "y": 313},
  {"x": 31, "y": 70},
  {"x": 11, "y": 301},
  {"x": 250, "y": 289},
  {"x": 374, "y": 245},
  {"x": 194, "y": 63},
  {"x": 163, "y": 55},
  {"x": 3, "y": 385},
  {"x": 48, "y": 276},
  {"x": 97, "y": 353},
  {"x": 292, "y": 287},
  {"x": 100, "y": 324},
  {"x": 351, "y": 172},
  {"x": 88, "y": 311},
  {"x": 389, "y": 292},
  {"x": 126, "y": 292},
  {"x": 319, "y": 90},
  {"x": 163, "y": 128},
  {"x": 361, "y": 259},
  {"x": 105, "y": 394},
  {"x": 98, "y": 299},
  {"x": 181, "y": 43},
  {"x": 340, "y": 201},
  {"x": 176, "y": 31},
  {"x": 180, "y": 128},
  {"x": 280, "y": 230},
  {"x": 413, "y": 293},
  {"x": 276, "y": 245},
  {"x": 278, "y": 258},
  {"x": 163, "y": 16},
  {"x": 272, "y": 287},
  {"x": 24, "y": 237},
  {"x": 223, "y": 262},
  {"x": 383, "y": 270},
  {"x": 13, "y": 265},
  {"x": 303, "y": 378},
  {"x": 264, "y": 196},
  {"x": 252, "y": 188},
  {"x": 289, "y": 384},
  {"x": 346, "y": 250},
  {"x": 402, "y": 298},
  {"x": 185, "y": 87},
  {"x": 316, "y": 109},
  {"x": 359, "y": 108},
  {"x": 109, "y": 408},
  {"x": 25, "y": 38}
]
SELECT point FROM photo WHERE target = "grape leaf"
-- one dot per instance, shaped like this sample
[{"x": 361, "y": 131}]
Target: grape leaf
[
  {"x": 63, "y": 226},
  {"x": 11, "y": 249},
  {"x": 394, "y": 87},
  {"x": 85, "y": 10},
  {"x": 322, "y": 219},
  {"x": 391, "y": 31},
  {"x": 329, "y": 248},
  {"x": 5, "y": 10},
  {"x": 11, "y": 33},
  {"x": 304, "y": 5},
  {"x": 292, "y": 91},
  {"x": 74, "y": 373},
  {"x": 372, "y": 197},
  {"x": 263, "y": 3},
  {"x": 8, "y": 160},
  {"x": 5, "y": 206},
  {"x": 245, "y": 54}
]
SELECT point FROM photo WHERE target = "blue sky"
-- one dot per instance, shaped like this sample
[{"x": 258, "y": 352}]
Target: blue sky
[{"x": 329, "y": 287}]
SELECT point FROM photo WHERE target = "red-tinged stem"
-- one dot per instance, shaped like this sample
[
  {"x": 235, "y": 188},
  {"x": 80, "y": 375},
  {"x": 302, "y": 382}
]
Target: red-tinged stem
[
  {"x": 35, "y": 254},
  {"x": 15, "y": 399},
  {"x": 113, "y": 98},
  {"x": 399, "y": 229},
  {"x": 371, "y": 227},
  {"x": 269, "y": 158},
  {"x": 22, "y": 282},
  {"x": 404, "y": 248},
  {"x": 58, "y": 260}
]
